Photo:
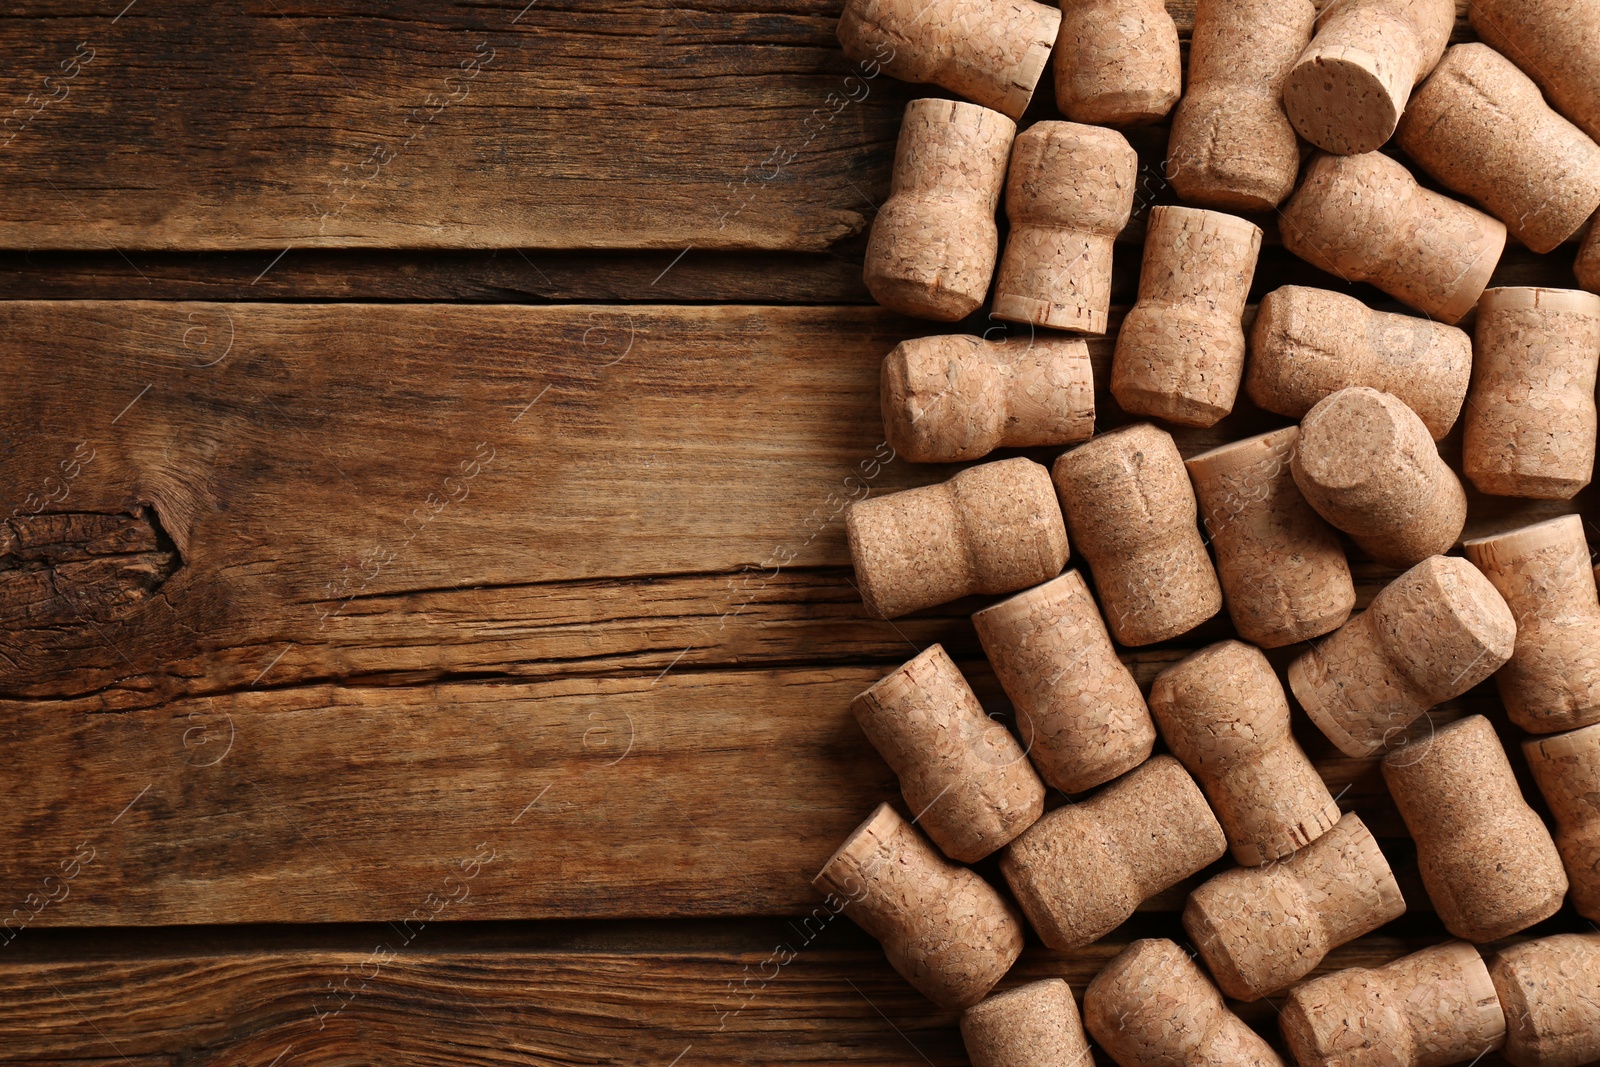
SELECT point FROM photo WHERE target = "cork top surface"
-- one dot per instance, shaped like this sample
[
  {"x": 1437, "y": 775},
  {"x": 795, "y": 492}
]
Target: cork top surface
[
  {"x": 1537, "y": 298},
  {"x": 1203, "y": 220},
  {"x": 1348, "y": 435},
  {"x": 1524, "y": 540},
  {"x": 1582, "y": 743},
  {"x": 866, "y": 838},
  {"x": 1241, "y": 454}
]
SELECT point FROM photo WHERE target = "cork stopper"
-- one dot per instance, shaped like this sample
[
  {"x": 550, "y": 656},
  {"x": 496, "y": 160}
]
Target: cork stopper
[
  {"x": 1283, "y": 572},
  {"x": 1152, "y": 1007},
  {"x": 1260, "y": 929},
  {"x": 933, "y": 245},
  {"x": 992, "y": 52},
  {"x": 1552, "y": 680},
  {"x": 1366, "y": 463},
  {"x": 994, "y": 528},
  {"x": 1079, "y": 711},
  {"x": 1180, "y": 352},
  {"x": 1587, "y": 267},
  {"x": 1550, "y": 990},
  {"x": 1131, "y": 508},
  {"x": 1555, "y": 44},
  {"x": 1080, "y": 871},
  {"x": 1530, "y": 425},
  {"x": 1431, "y": 634},
  {"x": 943, "y": 928},
  {"x": 1035, "y": 1025},
  {"x": 1430, "y": 1008},
  {"x": 1307, "y": 343},
  {"x": 1346, "y": 92},
  {"x": 1487, "y": 861},
  {"x": 1567, "y": 769},
  {"x": 1117, "y": 62},
  {"x": 957, "y": 397},
  {"x": 1365, "y": 219},
  {"x": 1069, "y": 194}
]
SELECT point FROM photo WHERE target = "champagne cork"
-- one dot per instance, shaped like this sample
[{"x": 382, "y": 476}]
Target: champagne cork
[
  {"x": 1231, "y": 146},
  {"x": 994, "y": 528},
  {"x": 1530, "y": 424},
  {"x": 1552, "y": 680},
  {"x": 1129, "y": 501},
  {"x": 1117, "y": 62},
  {"x": 958, "y": 397},
  {"x": 1555, "y": 43},
  {"x": 991, "y": 53},
  {"x": 1480, "y": 126},
  {"x": 1283, "y": 572},
  {"x": 1431, "y": 634},
  {"x": 1152, "y": 1007},
  {"x": 1367, "y": 464},
  {"x": 1307, "y": 343},
  {"x": 1079, "y": 710},
  {"x": 1487, "y": 861},
  {"x": 943, "y": 928},
  {"x": 1365, "y": 219},
  {"x": 1069, "y": 193},
  {"x": 1260, "y": 929},
  {"x": 1428, "y": 1009},
  {"x": 1035, "y": 1025},
  {"x": 1346, "y": 92},
  {"x": 1080, "y": 871},
  {"x": 1567, "y": 768},
  {"x": 1180, "y": 352},
  {"x": 933, "y": 245},
  {"x": 1550, "y": 990}
]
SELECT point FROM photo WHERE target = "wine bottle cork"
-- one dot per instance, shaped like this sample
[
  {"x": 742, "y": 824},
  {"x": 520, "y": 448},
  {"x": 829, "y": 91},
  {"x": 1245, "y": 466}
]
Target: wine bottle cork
[
  {"x": 1552, "y": 680},
  {"x": 947, "y": 931},
  {"x": 1365, "y": 219},
  {"x": 1260, "y": 929},
  {"x": 1366, "y": 463},
  {"x": 1129, "y": 502},
  {"x": 1567, "y": 769},
  {"x": 1431, "y": 634},
  {"x": 1487, "y": 861},
  {"x": 1346, "y": 92},
  {"x": 994, "y": 528},
  {"x": 1035, "y": 1025},
  {"x": 1180, "y": 352},
  {"x": 959, "y": 397},
  {"x": 991, "y": 53},
  {"x": 1117, "y": 62},
  {"x": 1081, "y": 870},
  {"x": 1555, "y": 43},
  {"x": 1587, "y": 266},
  {"x": 933, "y": 245},
  {"x": 1079, "y": 711},
  {"x": 1284, "y": 575},
  {"x": 1428, "y": 1009},
  {"x": 1068, "y": 195},
  {"x": 1231, "y": 145},
  {"x": 1152, "y": 1007},
  {"x": 1307, "y": 343},
  {"x": 1550, "y": 990},
  {"x": 1530, "y": 425}
]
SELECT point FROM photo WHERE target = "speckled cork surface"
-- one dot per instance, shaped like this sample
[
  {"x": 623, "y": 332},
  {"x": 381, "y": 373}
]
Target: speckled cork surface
[
  {"x": 1587, "y": 265},
  {"x": 1117, "y": 62},
  {"x": 1035, "y": 1025},
  {"x": 1567, "y": 770},
  {"x": 1557, "y": 44},
  {"x": 1550, "y": 990}
]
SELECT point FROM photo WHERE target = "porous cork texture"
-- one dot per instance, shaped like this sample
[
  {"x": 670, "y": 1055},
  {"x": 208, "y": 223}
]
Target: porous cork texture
[
  {"x": 933, "y": 245},
  {"x": 992, "y": 52},
  {"x": 1481, "y": 127},
  {"x": 1431, "y": 634},
  {"x": 1035, "y": 1025},
  {"x": 946, "y": 930},
  {"x": 1307, "y": 343},
  {"x": 1081, "y": 870},
  {"x": 1180, "y": 351},
  {"x": 1080, "y": 714},
  {"x": 1129, "y": 502},
  {"x": 1231, "y": 145},
  {"x": 1486, "y": 859},
  {"x": 1550, "y": 990},
  {"x": 1530, "y": 423},
  {"x": 1365, "y": 219},
  {"x": 1284, "y": 574},
  {"x": 1429, "y": 1009},
  {"x": 1552, "y": 680},
  {"x": 1555, "y": 44},
  {"x": 1117, "y": 62},
  {"x": 1587, "y": 267},
  {"x": 1069, "y": 193},
  {"x": 1366, "y": 463},
  {"x": 994, "y": 528},
  {"x": 1260, "y": 929},
  {"x": 958, "y": 397},
  {"x": 1567, "y": 769},
  {"x": 1346, "y": 92},
  {"x": 1153, "y": 1007}
]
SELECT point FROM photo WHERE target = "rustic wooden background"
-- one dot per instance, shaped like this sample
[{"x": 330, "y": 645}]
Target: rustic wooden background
[{"x": 428, "y": 630}]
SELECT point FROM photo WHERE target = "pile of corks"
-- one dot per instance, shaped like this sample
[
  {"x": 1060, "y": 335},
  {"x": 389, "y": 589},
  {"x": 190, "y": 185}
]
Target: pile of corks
[{"x": 1510, "y": 124}]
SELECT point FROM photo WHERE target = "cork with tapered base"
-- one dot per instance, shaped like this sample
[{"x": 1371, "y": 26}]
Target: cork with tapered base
[
  {"x": 1035, "y": 1025},
  {"x": 1117, "y": 62},
  {"x": 1550, "y": 990},
  {"x": 1567, "y": 769}
]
